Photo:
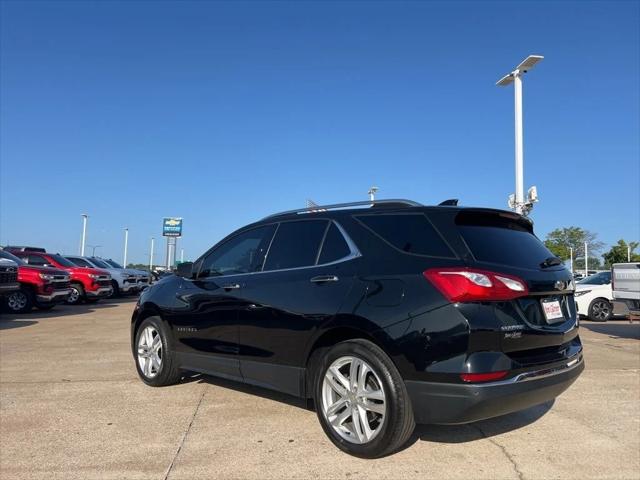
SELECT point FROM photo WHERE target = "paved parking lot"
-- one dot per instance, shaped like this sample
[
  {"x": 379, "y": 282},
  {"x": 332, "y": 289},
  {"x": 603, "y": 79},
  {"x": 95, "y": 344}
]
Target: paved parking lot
[{"x": 72, "y": 407}]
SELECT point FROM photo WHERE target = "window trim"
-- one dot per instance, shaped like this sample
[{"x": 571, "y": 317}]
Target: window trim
[
  {"x": 354, "y": 251},
  {"x": 454, "y": 254}
]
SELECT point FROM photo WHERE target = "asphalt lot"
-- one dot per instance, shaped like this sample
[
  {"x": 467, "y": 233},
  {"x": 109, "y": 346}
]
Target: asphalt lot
[{"x": 71, "y": 406}]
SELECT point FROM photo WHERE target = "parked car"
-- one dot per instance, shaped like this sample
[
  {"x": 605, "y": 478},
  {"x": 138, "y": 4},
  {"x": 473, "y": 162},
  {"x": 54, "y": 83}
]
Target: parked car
[
  {"x": 87, "y": 284},
  {"x": 593, "y": 297},
  {"x": 385, "y": 316},
  {"x": 122, "y": 281},
  {"x": 626, "y": 289},
  {"x": 143, "y": 277},
  {"x": 39, "y": 287},
  {"x": 8, "y": 276}
]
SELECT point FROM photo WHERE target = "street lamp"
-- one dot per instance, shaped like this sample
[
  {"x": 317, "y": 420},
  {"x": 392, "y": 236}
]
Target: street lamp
[
  {"x": 93, "y": 247},
  {"x": 151, "y": 255},
  {"x": 518, "y": 203},
  {"x": 126, "y": 241},
  {"x": 84, "y": 233}
]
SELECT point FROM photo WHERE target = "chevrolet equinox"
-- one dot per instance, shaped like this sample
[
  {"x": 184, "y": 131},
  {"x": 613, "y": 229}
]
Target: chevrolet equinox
[{"x": 386, "y": 314}]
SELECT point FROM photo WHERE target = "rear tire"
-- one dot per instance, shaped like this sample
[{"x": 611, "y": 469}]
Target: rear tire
[
  {"x": 77, "y": 294},
  {"x": 155, "y": 362},
  {"x": 20, "y": 301},
  {"x": 600, "y": 310},
  {"x": 375, "y": 418}
]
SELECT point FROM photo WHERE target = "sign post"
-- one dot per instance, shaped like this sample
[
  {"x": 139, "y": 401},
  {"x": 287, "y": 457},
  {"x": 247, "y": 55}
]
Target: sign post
[{"x": 172, "y": 229}]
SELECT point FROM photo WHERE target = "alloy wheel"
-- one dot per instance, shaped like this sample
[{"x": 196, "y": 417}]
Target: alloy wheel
[
  {"x": 150, "y": 352},
  {"x": 74, "y": 295},
  {"x": 353, "y": 400},
  {"x": 17, "y": 301},
  {"x": 601, "y": 310}
]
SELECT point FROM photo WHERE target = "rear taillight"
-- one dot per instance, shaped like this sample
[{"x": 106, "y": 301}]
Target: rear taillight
[
  {"x": 483, "y": 377},
  {"x": 471, "y": 285}
]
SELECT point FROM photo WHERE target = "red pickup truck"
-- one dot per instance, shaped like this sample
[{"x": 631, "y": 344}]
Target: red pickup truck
[
  {"x": 87, "y": 284},
  {"x": 39, "y": 287}
]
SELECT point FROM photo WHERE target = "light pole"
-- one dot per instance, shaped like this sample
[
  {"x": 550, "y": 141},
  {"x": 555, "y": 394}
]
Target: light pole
[
  {"x": 181, "y": 255},
  {"x": 126, "y": 242},
  {"x": 571, "y": 254},
  {"x": 84, "y": 233},
  {"x": 628, "y": 253},
  {"x": 93, "y": 247},
  {"x": 586, "y": 260},
  {"x": 515, "y": 77},
  {"x": 151, "y": 256},
  {"x": 372, "y": 193}
]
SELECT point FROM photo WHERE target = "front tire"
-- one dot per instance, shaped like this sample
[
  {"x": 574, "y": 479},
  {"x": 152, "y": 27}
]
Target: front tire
[
  {"x": 155, "y": 362},
  {"x": 361, "y": 400},
  {"x": 600, "y": 310},
  {"x": 20, "y": 301},
  {"x": 116, "y": 289},
  {"x": 77, "y": 294}
]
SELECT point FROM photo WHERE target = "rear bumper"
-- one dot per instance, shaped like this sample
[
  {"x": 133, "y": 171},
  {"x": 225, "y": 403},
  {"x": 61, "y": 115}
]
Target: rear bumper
[
  {"x": 58, "y": 296},
  {"x": 447, "y": 403},
  {"x": 626, "y": 307},
  {"x": 100, "y": 292}
]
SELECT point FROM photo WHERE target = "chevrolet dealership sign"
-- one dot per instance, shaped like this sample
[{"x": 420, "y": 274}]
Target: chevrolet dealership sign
[{"x": 172, "y": 227}]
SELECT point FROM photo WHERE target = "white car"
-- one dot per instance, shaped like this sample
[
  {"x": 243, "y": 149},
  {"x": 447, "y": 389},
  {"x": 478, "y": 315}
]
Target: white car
[{"x": 593, "y": 297}]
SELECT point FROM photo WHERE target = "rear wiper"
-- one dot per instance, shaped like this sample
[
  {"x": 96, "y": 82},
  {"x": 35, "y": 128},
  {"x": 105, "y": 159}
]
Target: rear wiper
[{"x": 551, "y": 262}]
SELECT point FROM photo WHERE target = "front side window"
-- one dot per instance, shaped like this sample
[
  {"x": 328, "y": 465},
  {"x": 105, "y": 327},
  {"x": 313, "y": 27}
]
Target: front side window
[
  {"x": 62, "y": 261},
  {"x": 243, "y": 253},
  {"x": 36, "y": 260},
  {"x": 81, "y": 262},
  {"x": 296, "y": 244}
]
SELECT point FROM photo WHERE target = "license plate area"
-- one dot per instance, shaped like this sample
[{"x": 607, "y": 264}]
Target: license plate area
[{"x": 552, "y": 310}]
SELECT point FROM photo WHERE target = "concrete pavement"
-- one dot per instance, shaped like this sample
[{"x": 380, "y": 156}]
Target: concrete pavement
[{"x": 71, "y": 406}]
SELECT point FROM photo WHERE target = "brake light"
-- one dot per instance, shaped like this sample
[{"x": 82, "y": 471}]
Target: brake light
[
  {"x": 471, "y": 285},
  {"x": 483, "y": 377}
]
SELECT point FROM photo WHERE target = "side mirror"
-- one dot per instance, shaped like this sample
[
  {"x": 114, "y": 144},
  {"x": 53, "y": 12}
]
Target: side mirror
[{"x": 185, "y": 270}]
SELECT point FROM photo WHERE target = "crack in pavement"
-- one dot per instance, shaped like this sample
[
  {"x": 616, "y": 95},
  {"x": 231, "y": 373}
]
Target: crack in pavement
[
  {"x": 184, "y": 435},
  {"x": 514, "y": 464}
]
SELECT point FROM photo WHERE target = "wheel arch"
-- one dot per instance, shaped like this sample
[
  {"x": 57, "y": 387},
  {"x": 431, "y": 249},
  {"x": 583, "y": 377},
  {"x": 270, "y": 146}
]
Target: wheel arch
[{"x": 328, "y": 338}]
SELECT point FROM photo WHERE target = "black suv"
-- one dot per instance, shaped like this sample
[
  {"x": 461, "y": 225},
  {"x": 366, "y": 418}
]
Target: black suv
[{"x": 385, "y": 314}]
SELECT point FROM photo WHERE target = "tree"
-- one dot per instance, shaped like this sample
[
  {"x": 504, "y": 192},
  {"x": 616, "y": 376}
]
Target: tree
[
  {"x": 618, "y": 253},
  {"x": 560, "y": 240},
  {"x": 138, "y": 266}
]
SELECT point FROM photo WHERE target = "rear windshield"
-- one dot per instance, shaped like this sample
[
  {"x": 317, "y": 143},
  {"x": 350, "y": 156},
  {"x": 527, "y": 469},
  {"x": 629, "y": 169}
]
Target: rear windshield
[
  {"x": 499, "y": 239},
  {"x": 410, "y": 233}
]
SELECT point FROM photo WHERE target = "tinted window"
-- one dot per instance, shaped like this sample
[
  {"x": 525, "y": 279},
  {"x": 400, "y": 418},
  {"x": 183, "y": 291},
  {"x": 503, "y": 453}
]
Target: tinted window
[
  {"x": 61, "y": 260},
  {"x": 334, "y": 247},
  {"x": 411, "y": 233},
  {"x": 113, "y": 263},
  {"x": 502, "y": 238},
  {"x": 243, "y": 253},
  {"x": 36, "y": 260},
  {"x": 296, "y": 244},
  {"x": 602, "y": 278},
  {"x": 81, "y": 262},
  {"x": 99, "y": 263}
]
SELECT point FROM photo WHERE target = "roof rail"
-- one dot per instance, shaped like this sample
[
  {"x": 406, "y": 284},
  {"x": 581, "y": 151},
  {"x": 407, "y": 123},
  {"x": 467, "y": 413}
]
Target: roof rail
[{"x": 336, "y": 206}]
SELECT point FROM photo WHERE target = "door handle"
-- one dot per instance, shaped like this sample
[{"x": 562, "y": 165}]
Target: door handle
[
  {"x": 324, "y": 279},
  {"x": 231, "y": 286}
]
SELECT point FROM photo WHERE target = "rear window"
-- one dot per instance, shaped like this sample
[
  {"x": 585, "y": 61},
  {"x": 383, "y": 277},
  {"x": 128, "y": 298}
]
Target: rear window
[
  {"x": 296, "y": 244},
  {"x": 410, "y": 233},
  {"x": 500, "y": 239}
]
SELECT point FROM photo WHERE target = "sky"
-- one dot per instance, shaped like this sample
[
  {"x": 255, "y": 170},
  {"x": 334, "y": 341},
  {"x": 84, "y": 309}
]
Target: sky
[{"x": 222, "y": 113}]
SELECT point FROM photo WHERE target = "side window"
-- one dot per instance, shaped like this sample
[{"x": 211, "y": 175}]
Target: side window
[
  {"x": 410, "y": 233},
  {"x": 36, "y": 260},
  {"x": 81, "y": 262},
  {"x": 334, "y": 247},
  {"x": 296, "y": 244},
  {"x": 243, "y": 253}
]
